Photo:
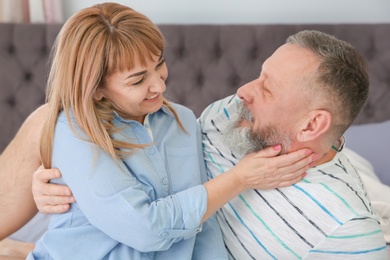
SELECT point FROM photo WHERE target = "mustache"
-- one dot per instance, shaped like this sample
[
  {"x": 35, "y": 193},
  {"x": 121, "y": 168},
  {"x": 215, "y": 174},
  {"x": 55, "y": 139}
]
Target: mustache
[{"x": 245, "y": 113}]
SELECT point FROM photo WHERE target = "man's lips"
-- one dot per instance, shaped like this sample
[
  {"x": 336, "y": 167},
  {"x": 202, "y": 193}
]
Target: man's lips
[{"x": 244, "y": 123}]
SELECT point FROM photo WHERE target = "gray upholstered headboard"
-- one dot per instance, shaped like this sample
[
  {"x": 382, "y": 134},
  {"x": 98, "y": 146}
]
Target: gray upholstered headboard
[{"x": 206, "y": 63}]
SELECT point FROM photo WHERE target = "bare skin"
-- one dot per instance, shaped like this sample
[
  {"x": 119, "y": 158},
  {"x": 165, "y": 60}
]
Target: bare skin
[
  {"x": 12, "y": 250},
  {"x": 16, "y": 167},
  {"x": 18, "y": 161}
]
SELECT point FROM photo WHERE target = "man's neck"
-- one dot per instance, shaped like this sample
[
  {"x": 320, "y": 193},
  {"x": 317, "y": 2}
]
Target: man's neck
[
  {"x": 331, "y": 153},
  {"x": 328, "y": 156}
]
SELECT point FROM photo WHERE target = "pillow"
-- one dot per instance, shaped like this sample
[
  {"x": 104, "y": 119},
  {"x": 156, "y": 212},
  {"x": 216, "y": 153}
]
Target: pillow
[
  {"x": 372, "y": 141},
  {"x": 33, "y": 230},
  {"x": 375, "y": 188}
]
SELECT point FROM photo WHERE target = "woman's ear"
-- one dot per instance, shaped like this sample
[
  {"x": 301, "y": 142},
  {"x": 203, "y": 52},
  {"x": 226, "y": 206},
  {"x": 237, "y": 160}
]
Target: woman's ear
[
  {"x": 98, "y": 95},
  {"x": 318, "y": 123}
]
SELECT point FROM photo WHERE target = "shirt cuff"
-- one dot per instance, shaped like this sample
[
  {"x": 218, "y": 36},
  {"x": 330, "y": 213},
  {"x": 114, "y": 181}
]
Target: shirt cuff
[{"x": 193, "y": 202}]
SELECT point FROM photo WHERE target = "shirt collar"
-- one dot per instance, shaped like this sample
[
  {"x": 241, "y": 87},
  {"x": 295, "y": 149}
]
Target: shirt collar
[{"x": 164, "y": 109}]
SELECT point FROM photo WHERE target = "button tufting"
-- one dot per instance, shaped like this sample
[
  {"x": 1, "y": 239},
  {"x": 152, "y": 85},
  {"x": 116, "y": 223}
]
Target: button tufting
[
  {"x": 180, "y": 52},
  {"x": 28, "y": 76},
  {"x": 44, "y": 50},
  {"x": 11, "y": 101},
  {"x": 235, "y": 80},
  {"x": 11, "y": 49},
  {"x": 254, "y": 53},
  {"x": 218, "y": 52},
  {"x": 200, "y": 79}
]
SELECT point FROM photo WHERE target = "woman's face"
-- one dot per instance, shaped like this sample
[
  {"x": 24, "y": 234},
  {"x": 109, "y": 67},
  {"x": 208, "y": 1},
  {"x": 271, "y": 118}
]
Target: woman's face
[{"x": 137, "y": 92}]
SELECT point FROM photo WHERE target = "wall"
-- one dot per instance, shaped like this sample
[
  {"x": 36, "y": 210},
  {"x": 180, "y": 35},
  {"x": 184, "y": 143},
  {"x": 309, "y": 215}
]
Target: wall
[{"x": 252, "y": 11}]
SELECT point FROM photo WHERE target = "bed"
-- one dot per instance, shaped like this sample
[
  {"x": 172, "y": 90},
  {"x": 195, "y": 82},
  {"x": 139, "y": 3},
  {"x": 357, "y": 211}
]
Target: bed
[{"x": 208, "y": 62}]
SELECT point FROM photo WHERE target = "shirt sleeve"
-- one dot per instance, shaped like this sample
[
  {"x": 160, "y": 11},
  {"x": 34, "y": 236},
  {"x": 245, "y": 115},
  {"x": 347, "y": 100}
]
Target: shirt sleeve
[
  {"x": 209, "y": 242},
  {"x": 115, "y": 202},
  {"x": 359, "y": 238}
]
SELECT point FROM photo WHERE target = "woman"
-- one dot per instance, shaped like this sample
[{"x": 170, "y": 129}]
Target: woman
[{"x": 133, "y": 160}]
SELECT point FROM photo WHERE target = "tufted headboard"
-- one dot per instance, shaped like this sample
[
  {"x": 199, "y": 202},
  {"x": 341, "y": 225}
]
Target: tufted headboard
[{"x": 206, "y": 63}]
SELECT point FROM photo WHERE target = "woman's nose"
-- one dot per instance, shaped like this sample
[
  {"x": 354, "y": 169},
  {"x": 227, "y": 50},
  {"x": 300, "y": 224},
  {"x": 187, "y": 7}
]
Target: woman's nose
[{"x": 157, "y": 84}]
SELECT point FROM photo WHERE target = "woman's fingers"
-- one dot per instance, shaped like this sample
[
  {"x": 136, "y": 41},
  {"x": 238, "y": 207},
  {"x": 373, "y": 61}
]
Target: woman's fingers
[
  {"x": 267, "y": 170},
  {"x": 41, "y": 183},
  {"x": 50, "y": 198},
  {"x": 300, "y": 166},
  {"x": 54, "y": 209},
  {"x": 45, "y": 175}
]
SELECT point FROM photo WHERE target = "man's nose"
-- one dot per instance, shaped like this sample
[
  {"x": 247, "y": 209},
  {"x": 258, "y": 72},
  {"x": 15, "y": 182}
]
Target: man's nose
[{"x": 246, "y": 93}]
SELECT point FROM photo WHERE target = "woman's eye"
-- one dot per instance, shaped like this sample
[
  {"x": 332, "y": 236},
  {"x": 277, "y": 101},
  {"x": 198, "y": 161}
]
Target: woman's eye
[
  {"x": 139, "y": 82},
  {"x": 160, "y": 63}
]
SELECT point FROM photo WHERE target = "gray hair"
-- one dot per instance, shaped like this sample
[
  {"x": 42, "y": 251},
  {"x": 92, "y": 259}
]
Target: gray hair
[{"x": 342, "y": 75}]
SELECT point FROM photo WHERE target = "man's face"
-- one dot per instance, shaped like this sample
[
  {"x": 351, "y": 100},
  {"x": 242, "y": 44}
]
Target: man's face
[
  {"x": 278, "y": 100},
  {"x": 243, "y": 139}
]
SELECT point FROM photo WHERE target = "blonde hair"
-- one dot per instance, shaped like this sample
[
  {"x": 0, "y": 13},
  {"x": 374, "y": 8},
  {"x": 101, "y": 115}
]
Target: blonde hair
[{"x": 94, "y": 43}]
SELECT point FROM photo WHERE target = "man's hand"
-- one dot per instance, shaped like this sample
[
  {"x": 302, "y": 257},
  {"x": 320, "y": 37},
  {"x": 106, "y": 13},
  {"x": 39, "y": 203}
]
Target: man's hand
[{"x": 50, "y": 198}]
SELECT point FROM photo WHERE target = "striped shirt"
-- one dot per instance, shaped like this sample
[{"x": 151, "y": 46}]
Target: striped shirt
[{"x": 327, "y": 215}]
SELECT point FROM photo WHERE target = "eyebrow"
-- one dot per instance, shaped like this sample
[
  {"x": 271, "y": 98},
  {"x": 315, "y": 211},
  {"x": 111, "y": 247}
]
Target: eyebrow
[
  {"x": 136, "y": 74},
  {"x": 144, "y": 71}
]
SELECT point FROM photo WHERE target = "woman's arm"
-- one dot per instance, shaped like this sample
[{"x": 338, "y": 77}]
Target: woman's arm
[
  {"x": 261, "y": 170},
  {"x": 18, "y": 162}
]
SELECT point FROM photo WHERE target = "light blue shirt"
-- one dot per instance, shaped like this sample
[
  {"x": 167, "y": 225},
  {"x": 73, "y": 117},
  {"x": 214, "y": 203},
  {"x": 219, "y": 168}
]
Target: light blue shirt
[{"x": 146, "y": 206}]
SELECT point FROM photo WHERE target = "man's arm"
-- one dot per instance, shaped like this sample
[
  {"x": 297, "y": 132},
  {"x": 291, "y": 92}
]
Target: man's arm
[
  {"x": 358, "y": 238},
  {"x": 18, "y": 162},
  {"x": 14, "y": 250}
]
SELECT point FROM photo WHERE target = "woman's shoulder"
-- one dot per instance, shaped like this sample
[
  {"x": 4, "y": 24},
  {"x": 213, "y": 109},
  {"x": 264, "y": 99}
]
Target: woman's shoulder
[
  {"x": 182, "y": 110},
  {"x": 67, "y": 125}
]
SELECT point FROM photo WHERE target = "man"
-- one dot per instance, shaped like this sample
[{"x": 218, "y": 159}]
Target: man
[
  {"x": 299, "y": 100},
  {"x": 308, "y": 93}
]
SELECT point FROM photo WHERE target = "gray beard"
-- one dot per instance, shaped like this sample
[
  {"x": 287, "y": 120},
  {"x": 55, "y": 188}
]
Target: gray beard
[{"x": 243, "y": 140}]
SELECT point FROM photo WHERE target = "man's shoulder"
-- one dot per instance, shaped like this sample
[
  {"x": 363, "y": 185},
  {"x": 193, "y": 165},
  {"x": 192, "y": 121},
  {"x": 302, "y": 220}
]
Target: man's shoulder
[{"x": 220, "y": 109}]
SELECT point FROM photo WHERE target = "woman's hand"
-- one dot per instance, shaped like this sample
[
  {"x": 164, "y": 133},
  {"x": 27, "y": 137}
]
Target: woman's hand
[
  {"x": 265, "y": 170},
  {"x": 50, "y": 198},
  {"x": 260, "y": 170}
]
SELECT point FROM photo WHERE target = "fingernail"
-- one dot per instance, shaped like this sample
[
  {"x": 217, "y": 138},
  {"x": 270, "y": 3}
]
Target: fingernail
[
  {"x": 307, "y": 152},
  {"x": 304, "y": 174},
  {"x": 315, "y": 157},
  {"x": 277, "y": 147}
]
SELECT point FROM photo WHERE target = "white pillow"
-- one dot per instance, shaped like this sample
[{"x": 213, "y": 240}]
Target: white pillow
[
  {"x": 378, "y": 192},
  {"x": 33, "y": 230},
  {"x": 372, "y": 141}
]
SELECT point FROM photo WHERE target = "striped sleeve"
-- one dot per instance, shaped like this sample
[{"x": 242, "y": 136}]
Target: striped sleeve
[{"x": 350, "y": 242}]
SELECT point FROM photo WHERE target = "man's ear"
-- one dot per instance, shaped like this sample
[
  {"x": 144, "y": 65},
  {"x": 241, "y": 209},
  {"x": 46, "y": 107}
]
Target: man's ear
[
  {"x": 317, "y": 123},
  {"x": 98, "y": 95}
]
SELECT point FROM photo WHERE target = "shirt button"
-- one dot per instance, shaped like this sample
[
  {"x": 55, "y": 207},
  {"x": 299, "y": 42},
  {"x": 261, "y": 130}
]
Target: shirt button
[
  {"x": 165, "y": 181},
  {"x": 151, "y": 151},
  {"x": 164, "y": 235}
]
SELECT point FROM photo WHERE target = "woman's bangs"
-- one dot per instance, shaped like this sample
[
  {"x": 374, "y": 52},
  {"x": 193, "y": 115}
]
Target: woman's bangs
[{"x": 126, "y": 52}]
